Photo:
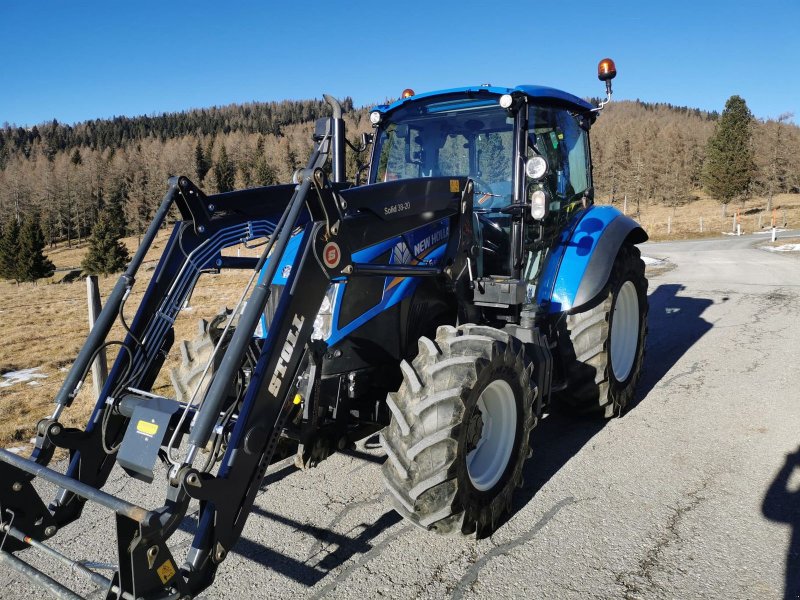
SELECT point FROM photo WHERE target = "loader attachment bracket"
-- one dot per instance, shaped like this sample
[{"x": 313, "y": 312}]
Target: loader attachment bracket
[
  {"x": 22, "y": 508},
  {"x": 193, "y": 205},
  {"x": 146, "y": 566}
]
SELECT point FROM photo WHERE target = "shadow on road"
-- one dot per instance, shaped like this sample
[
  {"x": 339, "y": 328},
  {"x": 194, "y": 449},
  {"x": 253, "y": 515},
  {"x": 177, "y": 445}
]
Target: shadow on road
[
  {"x": 782, "y": 504},
  {"x": 675, "y": 324}
]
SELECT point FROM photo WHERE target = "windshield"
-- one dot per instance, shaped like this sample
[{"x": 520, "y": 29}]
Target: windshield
[{"x": 463, "y": 137}]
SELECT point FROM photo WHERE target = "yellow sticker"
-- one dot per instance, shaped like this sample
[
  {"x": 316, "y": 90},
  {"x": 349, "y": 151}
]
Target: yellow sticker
[
  {"x": 166, "y": 571},
  {"x": 146, "y": 428},
  {"x": 454, "y": 186}
]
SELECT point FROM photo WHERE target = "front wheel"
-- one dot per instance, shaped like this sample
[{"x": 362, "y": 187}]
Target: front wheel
[
  {"x": 602, "y": 349},
  {"x": 460, "y": 429}
]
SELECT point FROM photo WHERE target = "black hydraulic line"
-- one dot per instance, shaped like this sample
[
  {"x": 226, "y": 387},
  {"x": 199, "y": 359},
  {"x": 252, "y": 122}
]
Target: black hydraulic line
[
  {"x": 394, "y": 270},
  {"x": 80, "y": 568},
  {"x": 248, "y": 321},
  {"x": 107, "y": 316},
  {"x": 37, "y": 577},
  {"x": 119, "y": 506}
]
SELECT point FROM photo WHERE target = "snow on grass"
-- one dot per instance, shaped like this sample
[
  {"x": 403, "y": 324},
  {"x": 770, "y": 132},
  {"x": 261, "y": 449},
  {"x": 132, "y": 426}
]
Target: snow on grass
[
  {"x": 783, "y": 248},
  {"x": 24, "y": 376},
  {"x": 649, "y": 260}
]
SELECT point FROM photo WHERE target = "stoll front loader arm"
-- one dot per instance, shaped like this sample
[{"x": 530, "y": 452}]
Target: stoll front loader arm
[{"x": 134, "y": 427}]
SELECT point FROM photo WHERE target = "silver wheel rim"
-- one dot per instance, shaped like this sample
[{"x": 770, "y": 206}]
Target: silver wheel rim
[
  {"x": 487, "y": 462},
  {"x": 624, "y": 331}
]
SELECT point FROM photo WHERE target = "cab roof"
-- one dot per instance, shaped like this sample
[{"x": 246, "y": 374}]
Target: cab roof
[{"x": 534, "y": 92}]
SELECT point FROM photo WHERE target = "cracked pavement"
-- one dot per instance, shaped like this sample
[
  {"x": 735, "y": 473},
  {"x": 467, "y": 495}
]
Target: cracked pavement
[{"x": 667, "y": 502}]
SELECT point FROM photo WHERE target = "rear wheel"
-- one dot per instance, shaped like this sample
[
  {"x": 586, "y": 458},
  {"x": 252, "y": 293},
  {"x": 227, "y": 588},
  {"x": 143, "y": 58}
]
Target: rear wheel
[
  {"x": 459, "y": 431},
  {"x": 602, "y": 349}
]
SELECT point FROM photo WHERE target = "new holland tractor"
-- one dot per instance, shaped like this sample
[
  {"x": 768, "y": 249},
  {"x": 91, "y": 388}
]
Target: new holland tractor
[{"x": 444, "y": 304}]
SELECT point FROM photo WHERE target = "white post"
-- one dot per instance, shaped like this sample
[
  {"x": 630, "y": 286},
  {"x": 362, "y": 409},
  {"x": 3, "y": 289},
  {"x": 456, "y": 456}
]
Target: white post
[
  {"x": 734, "y": 223},
  {"x": 773, "y": 233},
  {"x": 99, "y": 366},
  {"x": 701, "y": 224},
  {"x": 738, "y": 229},
  {"x": 669, "y": 224}
]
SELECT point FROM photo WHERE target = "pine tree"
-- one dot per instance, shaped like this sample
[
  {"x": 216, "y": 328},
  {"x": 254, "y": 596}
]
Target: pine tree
[
  {"x": 106, "y": 253},
  {"x": 32, "y": 263},
  {"x": 729, "y": 166},
  {"x": 9, "y": 251},
  {"x": 263, "y": 173},
  {"x": 225, "y": 171},
  {"x": 202, "y": 162}
]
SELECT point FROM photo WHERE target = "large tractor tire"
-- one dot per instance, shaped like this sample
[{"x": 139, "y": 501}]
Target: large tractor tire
[
  {"x": 195, "y": 355},
  {"x": 460, "y": 429},
  {"x": 602, "y": 349}
]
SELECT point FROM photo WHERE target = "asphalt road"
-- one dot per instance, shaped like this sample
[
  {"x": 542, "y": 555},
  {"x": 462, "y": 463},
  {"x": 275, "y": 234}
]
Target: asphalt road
[{"x": 694, "y": 493}]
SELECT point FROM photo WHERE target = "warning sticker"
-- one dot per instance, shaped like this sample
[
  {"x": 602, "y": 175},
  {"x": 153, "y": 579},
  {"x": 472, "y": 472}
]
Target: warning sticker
[
  {"x": 146, "y": 428},
  {"x": 166, "y": 571},
  {"x": 331, "y": 255},
  {"x": 454, "y": 187}
]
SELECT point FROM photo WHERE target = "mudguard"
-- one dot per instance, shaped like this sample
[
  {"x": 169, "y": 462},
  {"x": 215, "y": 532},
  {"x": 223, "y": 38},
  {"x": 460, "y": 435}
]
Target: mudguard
[{"x": 578, "y": 265}]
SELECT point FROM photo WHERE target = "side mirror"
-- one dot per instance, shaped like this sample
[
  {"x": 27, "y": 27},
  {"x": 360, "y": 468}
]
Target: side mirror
[
  {"x": 366, "y": 140},
  {"x": 323, "y": 128}
]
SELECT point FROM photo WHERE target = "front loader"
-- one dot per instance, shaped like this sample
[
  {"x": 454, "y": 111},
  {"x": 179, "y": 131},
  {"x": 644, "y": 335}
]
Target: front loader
[{"x": 444, "y": 305}]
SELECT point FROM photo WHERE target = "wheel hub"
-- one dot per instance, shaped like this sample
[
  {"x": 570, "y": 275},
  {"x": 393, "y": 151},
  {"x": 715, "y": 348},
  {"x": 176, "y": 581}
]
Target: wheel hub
[
  {"x": 624, "y": 331},
  {"x": 491, "y": 432}
]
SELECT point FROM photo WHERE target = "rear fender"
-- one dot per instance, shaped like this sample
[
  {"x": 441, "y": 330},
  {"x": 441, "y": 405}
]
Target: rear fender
[{"x": 578, "y": 265}]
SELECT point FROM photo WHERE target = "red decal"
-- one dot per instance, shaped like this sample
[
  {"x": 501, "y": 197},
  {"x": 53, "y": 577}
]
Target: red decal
[{"x": 331, "y": 255}]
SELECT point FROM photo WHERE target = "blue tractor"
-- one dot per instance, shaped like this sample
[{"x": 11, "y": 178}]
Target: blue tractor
[{"x": 444, "y": 304}]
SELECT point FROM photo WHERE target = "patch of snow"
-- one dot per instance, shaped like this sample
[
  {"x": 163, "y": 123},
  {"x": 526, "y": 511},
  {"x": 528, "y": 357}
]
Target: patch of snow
[
  {"x": 16, "y": 449},
  {"x": 783, "y": 248},
  {"x": 769, "y": 231},
  {"x": 23, "y": 376},
  {"x": 649, "y": 260}
]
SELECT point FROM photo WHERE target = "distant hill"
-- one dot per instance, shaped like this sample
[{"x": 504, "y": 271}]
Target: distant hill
[{"x": 647, "y": 152}]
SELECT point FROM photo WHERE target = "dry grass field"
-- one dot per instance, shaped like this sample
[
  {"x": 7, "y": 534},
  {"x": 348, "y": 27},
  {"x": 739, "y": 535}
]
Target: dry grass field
[
  {"x": 684, "y": 222},
  {"x": 44, "y": 324}
]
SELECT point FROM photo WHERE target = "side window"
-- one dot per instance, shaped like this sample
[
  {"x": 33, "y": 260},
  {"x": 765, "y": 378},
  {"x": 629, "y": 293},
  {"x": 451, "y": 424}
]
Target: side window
[
  {"x": 400, "y": 152},
  {"x": 556, "y": 135},
  {"x": 575, "y": 145}
]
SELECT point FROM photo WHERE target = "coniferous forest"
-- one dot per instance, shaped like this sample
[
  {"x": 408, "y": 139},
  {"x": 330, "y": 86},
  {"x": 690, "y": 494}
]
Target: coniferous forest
[{"x": 67, "y": 177}]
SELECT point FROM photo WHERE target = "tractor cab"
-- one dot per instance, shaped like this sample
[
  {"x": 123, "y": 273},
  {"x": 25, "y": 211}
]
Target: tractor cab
[{"x": 526, "y": 149}]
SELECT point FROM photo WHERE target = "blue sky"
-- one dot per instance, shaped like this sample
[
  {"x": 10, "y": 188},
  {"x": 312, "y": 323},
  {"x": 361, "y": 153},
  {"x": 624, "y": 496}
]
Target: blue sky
[{"x": 79, "y": 60}]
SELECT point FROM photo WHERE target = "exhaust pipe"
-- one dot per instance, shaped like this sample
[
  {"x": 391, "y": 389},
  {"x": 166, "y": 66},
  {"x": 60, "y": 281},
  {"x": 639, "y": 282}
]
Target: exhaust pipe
[{"x": 337, "y": 159}]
